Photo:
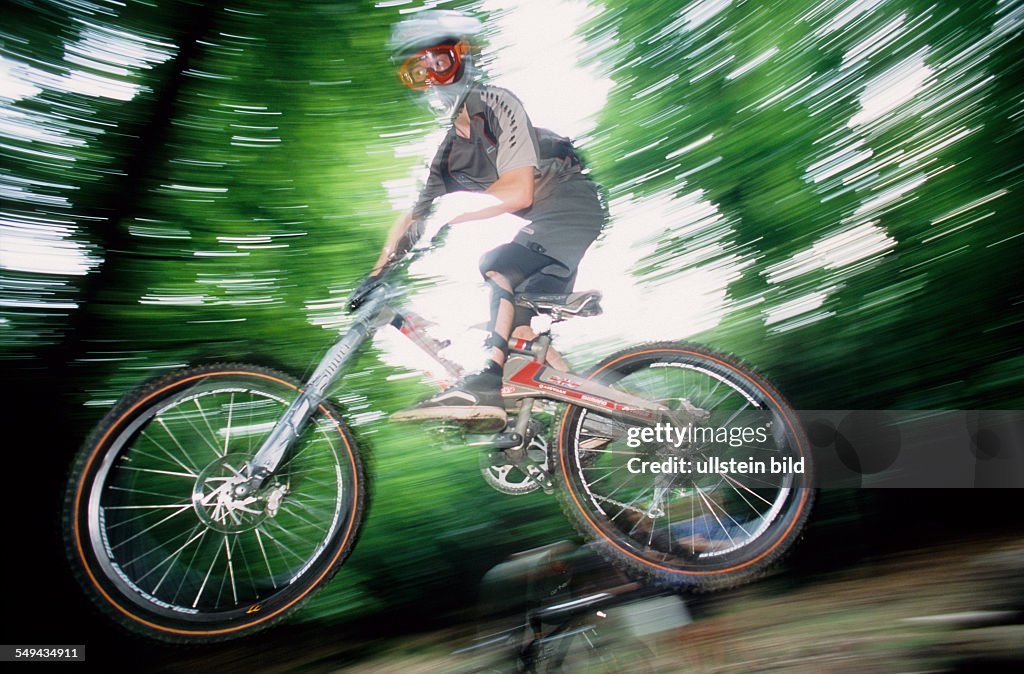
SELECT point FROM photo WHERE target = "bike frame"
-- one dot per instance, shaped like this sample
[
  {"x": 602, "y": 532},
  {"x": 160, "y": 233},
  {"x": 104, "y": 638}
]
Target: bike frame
[{"x": 526, "y": 378}]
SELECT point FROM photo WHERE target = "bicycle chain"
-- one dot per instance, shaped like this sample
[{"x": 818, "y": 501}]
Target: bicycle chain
[{"x": 624, "y": 506}]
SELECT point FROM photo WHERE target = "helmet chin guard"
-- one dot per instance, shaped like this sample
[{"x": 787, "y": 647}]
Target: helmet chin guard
[{"x": 446, "y": 99}]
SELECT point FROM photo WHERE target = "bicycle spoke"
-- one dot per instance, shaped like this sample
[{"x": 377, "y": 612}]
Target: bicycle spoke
[
  {"x": 312, "y": 442},
  {"x": 248, "y": 568},
  {"x": 745, "y": 488},
  {"x": 633, "y": 476},
  {"x": 171, "y": 566},
  {"x": 188, "y": 569},
  {"x": 173, "y": 437},
  {"x": 160, "y": 472},
  {"x": 668, "y": 520},
  {"x": 707, "y": 396},
  {"x": 757, "y": 448},
  {"x": 281, "y": 545},
  {"x": 614, "y": 451},
  {"x": 628, "y": 504},
  {"x": 728, "y": 421},
  {"x": 231, "y": 567},
  {"x": 174, "y": 555},
  {"x": 213, "y": 434},
  {"x": 764, "y": 483},
  {"x": 744, "y": 498},
  {"x": 302, "y": 471},
  {"x": 301, "y": 504},
  {"x": 706, "y": 500},
  {"x": 286, "y": 508},
  {"x": 731, "y": 518},
  {"x": 134, "y": 560},
  {"x": 607, "y": 475},
  {"x": 314, "y": 499},
  {"x": 144, "y": 492},
  {"x": 728, "y": 393},
  {"x": 181, "y": 509},
  {"x": 206, "y": 579},
  {"x": 227, "y": 432},
  {"x": 252, "y": 413},
  {"x": 263, "y": 550},
  {"x": 147, "y": 507},
  {"x": 111, "y": 527},
  {"x": 191, "y": 468}
]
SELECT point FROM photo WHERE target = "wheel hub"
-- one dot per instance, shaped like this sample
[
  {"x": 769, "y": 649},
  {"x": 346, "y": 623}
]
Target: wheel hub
[{"x": 217, "y": 499}]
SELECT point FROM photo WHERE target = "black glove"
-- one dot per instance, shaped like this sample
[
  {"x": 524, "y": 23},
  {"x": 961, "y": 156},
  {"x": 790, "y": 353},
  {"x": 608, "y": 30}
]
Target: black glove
[{"x": 362, "y": 291}]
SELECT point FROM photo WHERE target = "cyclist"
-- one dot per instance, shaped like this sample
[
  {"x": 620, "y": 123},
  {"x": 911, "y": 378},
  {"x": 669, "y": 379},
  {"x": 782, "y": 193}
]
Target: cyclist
[{"x": 491, "y": 146}]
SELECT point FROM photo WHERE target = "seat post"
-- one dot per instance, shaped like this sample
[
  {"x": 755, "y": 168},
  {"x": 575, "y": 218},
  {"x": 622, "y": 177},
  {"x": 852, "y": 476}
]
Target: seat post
[
  {"x": 540, "y": 347},
  {"x": 542, "y": 326}
]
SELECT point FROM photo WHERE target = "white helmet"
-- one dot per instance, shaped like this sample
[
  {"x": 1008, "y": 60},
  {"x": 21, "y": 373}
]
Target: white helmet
[{"x": 432, "y": 49}]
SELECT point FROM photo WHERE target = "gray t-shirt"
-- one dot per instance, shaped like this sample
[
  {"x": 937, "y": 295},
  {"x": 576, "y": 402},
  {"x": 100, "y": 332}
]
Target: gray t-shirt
[{"x": 566, "y": 215}]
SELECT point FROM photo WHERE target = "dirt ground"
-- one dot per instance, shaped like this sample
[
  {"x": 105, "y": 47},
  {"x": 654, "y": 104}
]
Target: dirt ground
[
  {"x": 956, "y": 608},
  {"x": 951, "y": 608}
]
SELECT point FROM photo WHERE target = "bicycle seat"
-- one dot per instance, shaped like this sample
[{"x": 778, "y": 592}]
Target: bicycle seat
[{"x": 586, "y": 303}]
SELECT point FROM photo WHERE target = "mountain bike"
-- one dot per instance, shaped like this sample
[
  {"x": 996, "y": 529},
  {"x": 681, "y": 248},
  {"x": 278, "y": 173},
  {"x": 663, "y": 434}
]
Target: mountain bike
[{"x": 212, "y": 502}]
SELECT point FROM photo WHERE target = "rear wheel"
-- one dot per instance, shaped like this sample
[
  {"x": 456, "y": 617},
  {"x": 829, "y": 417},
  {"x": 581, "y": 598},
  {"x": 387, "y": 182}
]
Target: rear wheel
[
  {"x": 162, "y": 543},
  {"x": 709, "y": 502}
]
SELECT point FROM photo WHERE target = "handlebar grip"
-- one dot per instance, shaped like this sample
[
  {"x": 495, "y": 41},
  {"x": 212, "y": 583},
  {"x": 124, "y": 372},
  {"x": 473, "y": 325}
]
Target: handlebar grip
[{"x": 363, "y": 290}]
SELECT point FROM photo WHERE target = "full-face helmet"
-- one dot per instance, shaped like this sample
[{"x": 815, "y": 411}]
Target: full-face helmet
[{"x": 433, "y": 50}]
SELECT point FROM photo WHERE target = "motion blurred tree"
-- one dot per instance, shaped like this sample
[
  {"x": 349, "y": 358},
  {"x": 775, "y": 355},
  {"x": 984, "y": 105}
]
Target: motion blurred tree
[{"x": 861, "y": 154}]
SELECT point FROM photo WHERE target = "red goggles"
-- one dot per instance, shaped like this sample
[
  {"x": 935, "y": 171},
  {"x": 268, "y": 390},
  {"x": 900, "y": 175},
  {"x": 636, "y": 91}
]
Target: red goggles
[{"x": 430, "y": 66}]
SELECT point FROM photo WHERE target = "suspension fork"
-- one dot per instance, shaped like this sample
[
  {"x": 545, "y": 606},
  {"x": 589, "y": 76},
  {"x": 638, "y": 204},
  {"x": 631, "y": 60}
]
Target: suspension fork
[{"x": 278, "y": 444}]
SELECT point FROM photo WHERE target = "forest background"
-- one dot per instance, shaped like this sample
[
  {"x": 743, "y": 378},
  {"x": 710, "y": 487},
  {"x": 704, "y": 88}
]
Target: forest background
[{"x": 830, "y": 189}]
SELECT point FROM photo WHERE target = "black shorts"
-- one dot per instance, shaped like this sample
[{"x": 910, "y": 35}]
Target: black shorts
[{"x": 522, "y": 267}]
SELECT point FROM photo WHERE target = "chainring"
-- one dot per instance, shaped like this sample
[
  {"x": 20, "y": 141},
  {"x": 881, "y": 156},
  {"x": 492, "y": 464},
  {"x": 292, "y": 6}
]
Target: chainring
[{"x": 509, "y": 478}]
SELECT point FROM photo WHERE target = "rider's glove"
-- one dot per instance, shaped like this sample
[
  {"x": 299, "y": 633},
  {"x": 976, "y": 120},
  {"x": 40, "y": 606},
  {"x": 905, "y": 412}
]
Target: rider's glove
[{"x": 362, "y": 291}]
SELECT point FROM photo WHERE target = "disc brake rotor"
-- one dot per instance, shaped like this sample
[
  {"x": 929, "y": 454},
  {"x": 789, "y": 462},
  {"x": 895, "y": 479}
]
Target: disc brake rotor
[{"x": 217, "y": 505}]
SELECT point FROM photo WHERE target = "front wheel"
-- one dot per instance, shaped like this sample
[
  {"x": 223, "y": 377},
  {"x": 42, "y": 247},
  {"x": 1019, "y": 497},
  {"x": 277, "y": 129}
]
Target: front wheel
[
  {"x": 162, "y": 543},
  {"x": 708, "y": 499}
]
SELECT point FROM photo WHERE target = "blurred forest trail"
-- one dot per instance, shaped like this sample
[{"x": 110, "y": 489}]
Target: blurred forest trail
[{"x": 950, "y": 608}]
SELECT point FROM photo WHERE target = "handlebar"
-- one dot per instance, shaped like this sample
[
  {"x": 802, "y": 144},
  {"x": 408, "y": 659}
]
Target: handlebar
[
  {"x": 373, "y": 281},
  {"x": 431, "y": 229}
]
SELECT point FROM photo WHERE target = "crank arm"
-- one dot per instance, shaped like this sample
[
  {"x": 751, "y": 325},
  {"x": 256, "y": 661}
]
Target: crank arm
[{"x": 533, "y": 470}]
